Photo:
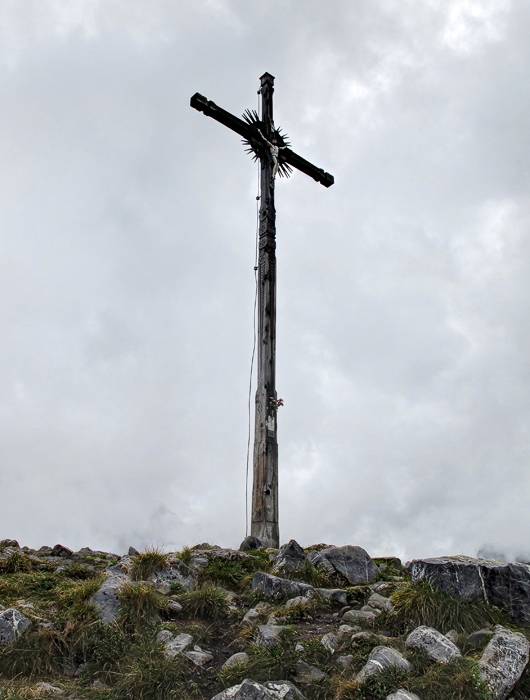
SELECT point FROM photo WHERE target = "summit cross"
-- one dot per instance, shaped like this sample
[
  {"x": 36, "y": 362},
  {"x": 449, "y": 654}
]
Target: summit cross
[{"x": 271, "y": 147}]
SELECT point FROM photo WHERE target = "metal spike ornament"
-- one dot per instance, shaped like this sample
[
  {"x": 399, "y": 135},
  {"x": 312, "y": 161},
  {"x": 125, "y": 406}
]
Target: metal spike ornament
[{"x": 255, "y": 146}]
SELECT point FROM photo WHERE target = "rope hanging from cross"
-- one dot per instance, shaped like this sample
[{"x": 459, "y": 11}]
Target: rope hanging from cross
[{"x": 271, "y": 147}]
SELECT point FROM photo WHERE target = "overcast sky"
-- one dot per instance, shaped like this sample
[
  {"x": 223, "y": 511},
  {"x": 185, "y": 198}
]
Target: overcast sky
[{"x": 127, "y": 226}]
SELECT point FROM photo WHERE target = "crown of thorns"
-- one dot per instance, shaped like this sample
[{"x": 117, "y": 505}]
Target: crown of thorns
[{"x": 256, "y": 146}]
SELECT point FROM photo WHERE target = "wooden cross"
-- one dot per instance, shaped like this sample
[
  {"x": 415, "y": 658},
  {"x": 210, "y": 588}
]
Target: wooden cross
[{"x": 271, "y": 147}]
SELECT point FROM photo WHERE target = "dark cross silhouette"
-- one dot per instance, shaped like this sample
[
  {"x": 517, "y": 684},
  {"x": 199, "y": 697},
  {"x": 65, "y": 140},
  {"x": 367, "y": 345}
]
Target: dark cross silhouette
[{"x": 267, "y": 143}]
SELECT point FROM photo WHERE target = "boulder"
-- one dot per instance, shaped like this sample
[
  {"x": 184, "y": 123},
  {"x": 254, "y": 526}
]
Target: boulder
[
  {"x": 433, "y": 643},
  {"x": 250, "y": 543},
  {"x": 276, "y": 588},
  {"x": 506, "y": 585},
  {"x": 380, "y": 659},
  {"x": 351, "y": 563},
  {"x": 402, "y": 695},
  {"x": 106, "y": 600},
  {"x": 239, "y": 659},
  {"x": 503, "y": 661},
  {"x": 252, "y": 690},
  {"x": 291, "y": 559},
  {"x": 12, "y": 624}
]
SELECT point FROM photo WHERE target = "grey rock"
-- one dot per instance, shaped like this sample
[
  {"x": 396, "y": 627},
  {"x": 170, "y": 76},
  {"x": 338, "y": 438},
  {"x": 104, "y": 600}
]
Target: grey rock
[
  {"x": 402, "y": 695},
  {"x": 252, "y": 690},
  {"x": 199, "y": 657},
  {"x": 106, "y": 599},
  {"x": 503, "y": 661},
  {"x": 12, "y": 624},
  {"x": 333, "y": 595},
  {"x": 379, "y": 660},
  {"x": 299, "y": 600},
  {"x": 362, "y": 637},
  {"x": 378, "y": 602},
  {"x": 239, "y": 659},
  {"x": 250, "y": 543},
  {"x": 306, "y": 674},
  {"x": 359, "y": 617},
  {"x": 276, "y": 588},
  {"x": 506, "y": 585},
  {"x": 452, "y": 636},
  {"x": 433, "y": 643},
  {"x": 352, "y": 563},
  {"x": 291, "y": 559},
  {"x": 61, "y": 551},
  {"x": 269, "y": 635},
  {"x": 479, "y": 639},
  {"x": 176, "y": 572},
  {"x": 255, "y": 614},
  {"x": 330, "y": 642},
  {"x": 133, "y": 552},
  {"x": 345, "y": 631},
  {"x": 47, "y": 689},
  {"x": 9, "y": 543},
  {"x": 174, "y": 645},
  {"x": 174, "y": 607},
  {"x": 344, "y": 661}
]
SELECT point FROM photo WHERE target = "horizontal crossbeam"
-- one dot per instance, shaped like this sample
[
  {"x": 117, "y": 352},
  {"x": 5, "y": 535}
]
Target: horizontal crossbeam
[{"x": 248, "y": 132}]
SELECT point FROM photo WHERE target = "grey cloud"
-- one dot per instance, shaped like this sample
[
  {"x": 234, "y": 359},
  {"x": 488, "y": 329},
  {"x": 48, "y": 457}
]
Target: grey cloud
[{"x": 126, "y": 240}]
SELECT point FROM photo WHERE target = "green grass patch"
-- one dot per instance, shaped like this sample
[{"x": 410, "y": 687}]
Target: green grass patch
[
  {"x": 148, "y": 563},
  {"x": 421, "y": 604},
  {"x": 234, "y": 573},
  {"x": 146, "y": 674},
  {"x": 459, "y": 680},
  {"x": 33, "y": 654},
  {"x": 14, "y": 563},
  {"x": 314, "y": 575},
  {"x": 141, "y": 606},
  {"x": 207, "y": 602}
]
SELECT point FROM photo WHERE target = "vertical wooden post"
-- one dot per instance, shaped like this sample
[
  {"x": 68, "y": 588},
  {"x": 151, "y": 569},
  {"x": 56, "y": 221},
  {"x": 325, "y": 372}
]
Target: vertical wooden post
[{"x": 265, "y": 483}]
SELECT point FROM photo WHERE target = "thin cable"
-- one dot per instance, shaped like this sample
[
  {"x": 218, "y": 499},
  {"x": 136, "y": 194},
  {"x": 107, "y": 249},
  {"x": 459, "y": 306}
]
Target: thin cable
[{"x": 256, "y": 258}]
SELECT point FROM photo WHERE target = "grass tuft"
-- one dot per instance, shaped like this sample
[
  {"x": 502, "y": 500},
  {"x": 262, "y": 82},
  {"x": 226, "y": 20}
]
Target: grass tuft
[
  {"x": 421, "y": 604},
  {"x": 146, "y": 674},
  {"x": 140, "y": 606},
  {"x": 15, "y": 563},
  {"x": 459, "y": 680},
  {"x": 35, "y": 653},
  {"x": 208, "y": 602},
  {"x": 148, "y": 563}
]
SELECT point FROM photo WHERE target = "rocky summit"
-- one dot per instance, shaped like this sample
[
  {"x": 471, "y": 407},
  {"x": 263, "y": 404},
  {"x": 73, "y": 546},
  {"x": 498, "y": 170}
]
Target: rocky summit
[{"x": 207, "y": 622}]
